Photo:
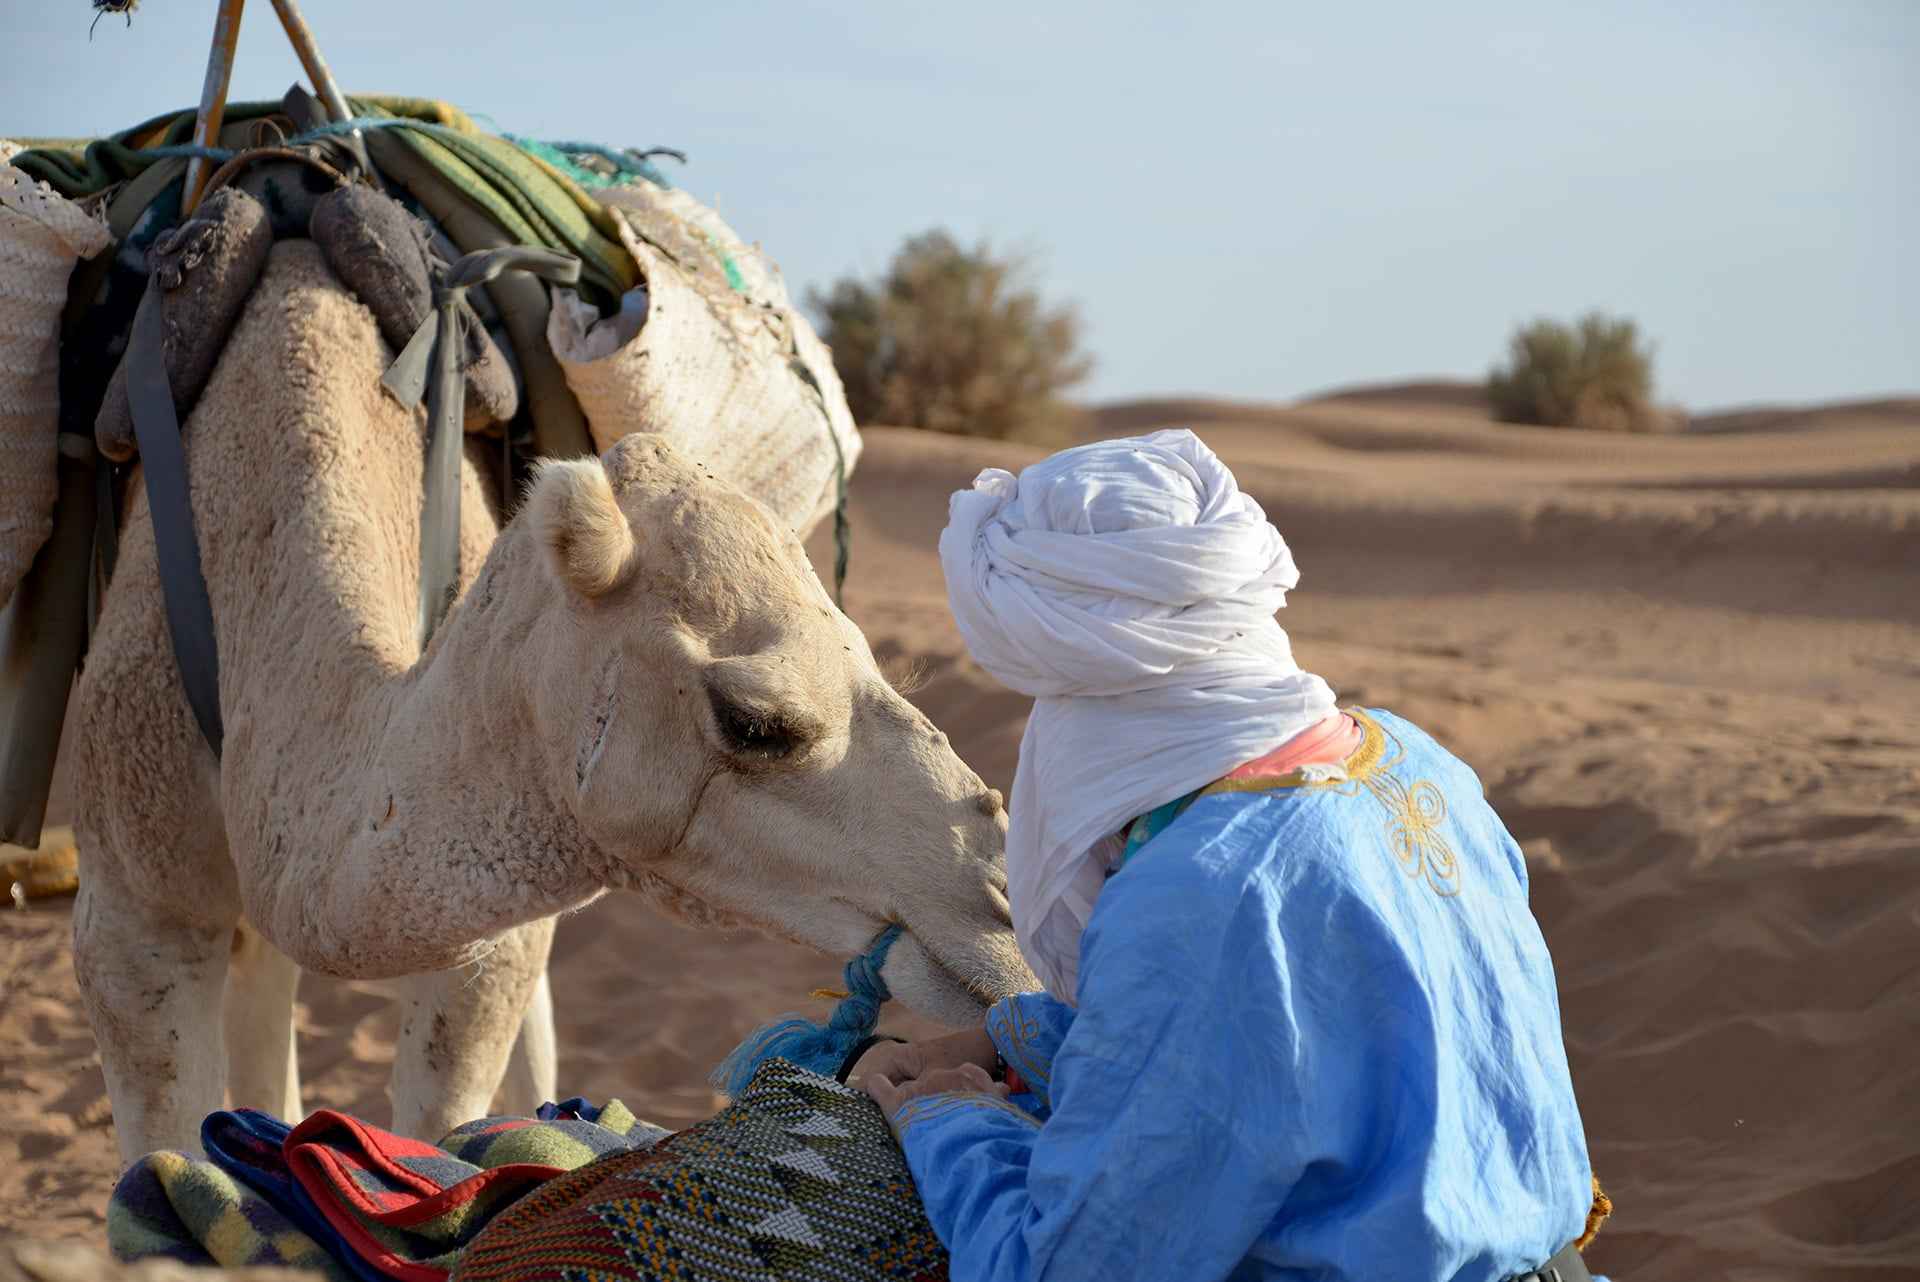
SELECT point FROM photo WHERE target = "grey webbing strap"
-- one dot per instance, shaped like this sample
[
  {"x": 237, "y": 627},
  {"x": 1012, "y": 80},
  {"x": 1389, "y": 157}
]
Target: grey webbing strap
[
  {"x": 1567, "y": 1266},
  {"x": 163, "y": 460},
  {"x": 432, "y": 359}
]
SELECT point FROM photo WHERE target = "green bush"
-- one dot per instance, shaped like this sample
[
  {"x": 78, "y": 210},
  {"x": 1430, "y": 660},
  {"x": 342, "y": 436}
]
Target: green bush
[
  {"x": 952, "y": 339},
  {"x": 1595, "y": 374}
]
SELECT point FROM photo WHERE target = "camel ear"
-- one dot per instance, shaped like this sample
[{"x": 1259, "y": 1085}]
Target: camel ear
[{"x": 589, "y": 544}]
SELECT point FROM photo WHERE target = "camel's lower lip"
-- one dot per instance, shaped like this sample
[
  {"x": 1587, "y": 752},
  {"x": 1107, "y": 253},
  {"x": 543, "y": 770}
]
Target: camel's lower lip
[
  {"x": 953, "y": 977},
  {"x": 871, "y": 928}
]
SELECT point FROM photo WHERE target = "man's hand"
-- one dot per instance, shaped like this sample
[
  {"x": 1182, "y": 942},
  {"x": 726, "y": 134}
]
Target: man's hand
[
  {"x": 891, "y": 1095},
  {"x": 895, "y": 1061},
  {"x": 900, "y": 1062}
]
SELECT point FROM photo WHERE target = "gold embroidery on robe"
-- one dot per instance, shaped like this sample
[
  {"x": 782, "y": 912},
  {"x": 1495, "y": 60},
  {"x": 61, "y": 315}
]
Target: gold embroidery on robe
[
  {"x": 1416, "y": 812},
  {"x": 1022, "y": 1053},
  {"x": 925, "y": 1108}
]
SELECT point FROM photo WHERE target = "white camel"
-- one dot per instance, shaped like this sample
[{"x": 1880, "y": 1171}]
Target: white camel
[{"x": 643, "y": 687}]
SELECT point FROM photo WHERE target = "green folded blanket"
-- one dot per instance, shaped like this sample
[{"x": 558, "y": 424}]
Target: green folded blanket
[{"x": 529, "y": 200}]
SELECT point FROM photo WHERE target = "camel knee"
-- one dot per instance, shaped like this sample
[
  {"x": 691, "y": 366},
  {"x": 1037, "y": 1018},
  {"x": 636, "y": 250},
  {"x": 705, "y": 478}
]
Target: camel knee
[
  {"x": 151, "y": 987},
  {"x": 129, "y": 958}
]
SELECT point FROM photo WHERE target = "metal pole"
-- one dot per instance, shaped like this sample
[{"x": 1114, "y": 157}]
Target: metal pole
[
  {"x": 213, "y": 100},
  {"x": 324, "y": 85}
]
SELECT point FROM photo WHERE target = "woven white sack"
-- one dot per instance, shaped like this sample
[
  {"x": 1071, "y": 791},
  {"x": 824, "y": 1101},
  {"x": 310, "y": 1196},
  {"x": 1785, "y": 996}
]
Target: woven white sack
[
  {"x": 726, "y": 369},
  {"x": 42, "y": 235}
]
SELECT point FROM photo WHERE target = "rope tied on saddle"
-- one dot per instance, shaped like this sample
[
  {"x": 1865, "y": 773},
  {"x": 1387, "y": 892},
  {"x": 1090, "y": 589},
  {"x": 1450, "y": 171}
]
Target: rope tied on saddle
[
  {"x": 483, "y": 189},
  {"x": 818, "y": 1047},
  {"x": 592, "y": 165}
]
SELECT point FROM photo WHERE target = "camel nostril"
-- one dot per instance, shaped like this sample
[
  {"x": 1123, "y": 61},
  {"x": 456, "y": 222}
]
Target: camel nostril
[{"x": 992, "y": 803}]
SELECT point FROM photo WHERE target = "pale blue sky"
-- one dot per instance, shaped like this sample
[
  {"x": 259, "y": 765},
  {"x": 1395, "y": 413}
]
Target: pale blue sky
[{"x": 1253, "y": 200}]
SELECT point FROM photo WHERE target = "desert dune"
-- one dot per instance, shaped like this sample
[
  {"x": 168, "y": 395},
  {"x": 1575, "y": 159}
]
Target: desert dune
[{"x": 1687, "y": 669}]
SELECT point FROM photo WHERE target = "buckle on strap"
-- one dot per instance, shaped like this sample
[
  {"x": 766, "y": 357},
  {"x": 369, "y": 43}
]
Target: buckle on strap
[{"x": 1565, "y": 1266}]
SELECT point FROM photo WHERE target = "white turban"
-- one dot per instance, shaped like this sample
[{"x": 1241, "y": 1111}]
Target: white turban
[{"x": 1129, "y": 587}]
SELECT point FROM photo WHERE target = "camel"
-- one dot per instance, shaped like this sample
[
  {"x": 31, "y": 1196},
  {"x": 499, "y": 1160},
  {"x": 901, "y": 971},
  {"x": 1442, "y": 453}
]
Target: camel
[{"x": 642, "y": 687}]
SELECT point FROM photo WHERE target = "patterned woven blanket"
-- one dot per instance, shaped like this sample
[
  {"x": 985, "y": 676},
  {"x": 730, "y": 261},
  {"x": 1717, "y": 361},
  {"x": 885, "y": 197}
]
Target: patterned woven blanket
[
  {"x": 799, "y": 1180},
  {"x": 346, "y": 1199}
]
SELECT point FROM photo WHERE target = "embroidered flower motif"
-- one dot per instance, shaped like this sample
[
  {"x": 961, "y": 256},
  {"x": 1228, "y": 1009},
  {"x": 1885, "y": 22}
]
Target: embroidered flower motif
[
  {"x": 1416, "y": 812},
  {"x": 1414, "y": 817}
]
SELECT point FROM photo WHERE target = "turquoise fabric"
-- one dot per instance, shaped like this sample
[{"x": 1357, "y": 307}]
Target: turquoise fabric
[
  {"x": 1152, "y": 824},
  {"x": 1305, "y": 1046}
]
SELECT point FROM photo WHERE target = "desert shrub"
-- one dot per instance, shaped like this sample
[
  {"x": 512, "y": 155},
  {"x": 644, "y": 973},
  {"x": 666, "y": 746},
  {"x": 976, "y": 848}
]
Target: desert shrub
[
  {"x": 952, "y": 339},
  {"x": 1596, "y": 373}
]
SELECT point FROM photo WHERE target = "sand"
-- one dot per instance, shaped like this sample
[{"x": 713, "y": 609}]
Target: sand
[{"x": 1688, "y": 670}]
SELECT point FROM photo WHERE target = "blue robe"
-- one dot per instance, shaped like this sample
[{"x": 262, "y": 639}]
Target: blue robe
[{"x": 1317, "y": 1036}]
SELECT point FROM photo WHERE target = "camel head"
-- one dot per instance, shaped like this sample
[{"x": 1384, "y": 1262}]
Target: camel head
[{"x": 727, "y": 742}]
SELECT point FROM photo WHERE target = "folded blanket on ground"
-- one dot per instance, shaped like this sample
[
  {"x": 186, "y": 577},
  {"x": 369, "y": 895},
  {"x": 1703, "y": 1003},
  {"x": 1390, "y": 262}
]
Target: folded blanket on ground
[
  {"x": 798, "y": 1179},
  {"x": 346, "y": 1199}
]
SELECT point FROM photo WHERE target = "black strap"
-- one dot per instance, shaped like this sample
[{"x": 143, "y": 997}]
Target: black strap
[
  {"x": 1567, "y": 1266},
  {"x": 163, "y": 459},
  {"x": 866, "y": 1044},
  {"x": 106, "y": 540}
]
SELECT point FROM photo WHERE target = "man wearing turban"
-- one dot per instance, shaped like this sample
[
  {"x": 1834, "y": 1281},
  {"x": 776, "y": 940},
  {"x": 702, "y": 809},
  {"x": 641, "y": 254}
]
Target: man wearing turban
[{"x": 1299, "y": 1021}]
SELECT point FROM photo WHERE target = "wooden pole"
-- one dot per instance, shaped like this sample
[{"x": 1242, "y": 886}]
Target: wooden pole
[
  {"x": 324, "y": 85},
  {"x": 213, "y": 100},
  {"x": 301, "y": 37}
]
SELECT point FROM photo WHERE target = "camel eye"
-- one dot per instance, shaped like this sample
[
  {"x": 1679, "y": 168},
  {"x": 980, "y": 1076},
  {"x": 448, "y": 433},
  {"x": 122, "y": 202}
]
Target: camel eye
[{"x": 753, "y": 732}]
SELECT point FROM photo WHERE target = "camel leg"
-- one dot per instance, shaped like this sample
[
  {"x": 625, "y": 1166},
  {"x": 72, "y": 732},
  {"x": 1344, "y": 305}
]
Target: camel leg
[
  {"x": 457, "y": 1029},
  {"x": 533, "y": 1071},
  {"x": 152, "y": 986},
  {"x": 263, "y": 1070}
]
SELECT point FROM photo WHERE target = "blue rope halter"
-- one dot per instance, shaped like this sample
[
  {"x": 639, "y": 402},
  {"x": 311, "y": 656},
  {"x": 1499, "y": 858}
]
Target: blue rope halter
[{"x": 817, "y": 1047}]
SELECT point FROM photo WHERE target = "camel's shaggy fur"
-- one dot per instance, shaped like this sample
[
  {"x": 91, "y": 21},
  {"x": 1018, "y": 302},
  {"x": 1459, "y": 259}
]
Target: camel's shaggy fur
[{"x": 644, "y": 686}]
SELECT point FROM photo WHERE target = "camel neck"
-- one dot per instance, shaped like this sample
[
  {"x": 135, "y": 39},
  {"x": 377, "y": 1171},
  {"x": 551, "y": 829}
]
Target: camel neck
[
  {"x": 383, "y": 810},
  {"x": 446, "y": 833}
]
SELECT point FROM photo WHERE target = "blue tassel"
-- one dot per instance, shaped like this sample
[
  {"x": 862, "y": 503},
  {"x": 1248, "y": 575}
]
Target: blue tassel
[{"x": 818, "y": 1048}]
